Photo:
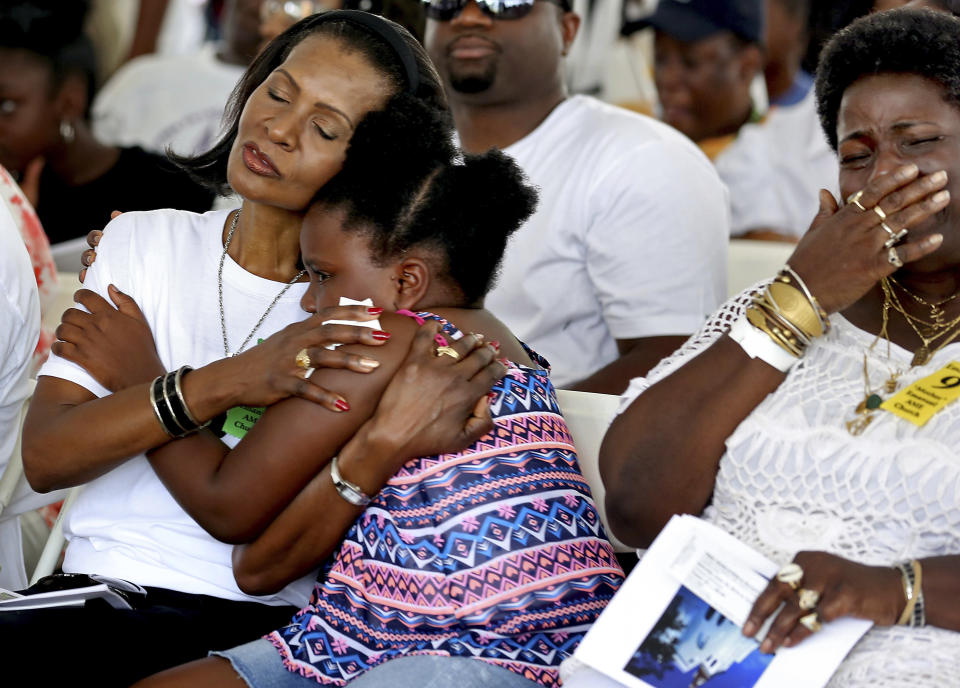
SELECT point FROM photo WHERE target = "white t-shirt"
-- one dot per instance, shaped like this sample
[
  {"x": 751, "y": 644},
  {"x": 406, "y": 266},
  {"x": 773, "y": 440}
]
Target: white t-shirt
[
  {"x": 156, "y": 100},
  {"x": 125, "y": 523},
  {"x": 776, "y": 168},
  {"x": 19, "y": 332},
  {"x": 629, "y": 239}
]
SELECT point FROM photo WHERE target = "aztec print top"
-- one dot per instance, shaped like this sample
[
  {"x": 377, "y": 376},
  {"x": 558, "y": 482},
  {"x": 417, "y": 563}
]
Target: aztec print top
[{"x": 495, "y": 553}]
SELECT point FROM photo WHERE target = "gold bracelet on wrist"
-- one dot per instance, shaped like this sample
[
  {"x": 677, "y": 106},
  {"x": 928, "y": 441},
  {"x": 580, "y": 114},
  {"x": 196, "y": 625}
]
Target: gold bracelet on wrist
[{"x": 758, "y": 318}]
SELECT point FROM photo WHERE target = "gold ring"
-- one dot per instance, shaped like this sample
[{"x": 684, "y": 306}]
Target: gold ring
[
  {"x": 811, "y": 622},
  {"x": 855, "y": 200},
  {"x": 791, "y": 574},
  {"x": 448, "y": 351},
  {"x": 879, "y": 211},
  {"x": 808, "y": 599},
  {"x": 303, "y": 359},
  {"x": 894, "y": 258}
]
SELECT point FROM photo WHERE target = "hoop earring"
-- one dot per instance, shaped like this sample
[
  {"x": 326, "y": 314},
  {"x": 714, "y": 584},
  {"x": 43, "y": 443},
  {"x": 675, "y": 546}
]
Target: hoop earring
[{"x": 67, "y": 131}]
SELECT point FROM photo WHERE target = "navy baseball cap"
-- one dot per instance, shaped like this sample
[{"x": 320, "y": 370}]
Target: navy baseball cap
[{"x": 693, "y": 20}]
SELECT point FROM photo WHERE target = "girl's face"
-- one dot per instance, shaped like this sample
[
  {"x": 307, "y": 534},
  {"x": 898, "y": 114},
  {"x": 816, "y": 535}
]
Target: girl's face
[
  {"x": 29, "y": 115},
  {"x": 295, "y": 127},
  {"x": 339, "y": 263}
]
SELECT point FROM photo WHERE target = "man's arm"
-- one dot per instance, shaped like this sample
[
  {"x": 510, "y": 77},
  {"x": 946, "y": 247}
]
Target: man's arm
[{"x": 637, "y": 357}]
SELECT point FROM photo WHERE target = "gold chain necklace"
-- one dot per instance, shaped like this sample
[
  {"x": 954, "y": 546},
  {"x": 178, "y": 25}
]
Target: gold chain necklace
[
  {"x": 866, "y": 410},
  {"x": 925, "y": 352},
  {"x": 936, "y": 312}
]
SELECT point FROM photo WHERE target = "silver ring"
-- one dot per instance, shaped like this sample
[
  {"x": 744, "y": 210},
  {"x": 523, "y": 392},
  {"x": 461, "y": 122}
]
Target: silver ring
[
  {"x": 895, "y": 237},
  {"x": 894, "y": 258},
  {"x": 308, "y": 372}
]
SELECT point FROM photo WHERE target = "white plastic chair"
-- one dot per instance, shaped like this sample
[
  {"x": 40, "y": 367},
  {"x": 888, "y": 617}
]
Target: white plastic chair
[
  {"x": 66, "y": 254},
  {"x": 16, "y": 497},
  {"x": 67, "y": 284},
  {"x": 750, "y": 260},
  {"x": 588, "y": 416}
]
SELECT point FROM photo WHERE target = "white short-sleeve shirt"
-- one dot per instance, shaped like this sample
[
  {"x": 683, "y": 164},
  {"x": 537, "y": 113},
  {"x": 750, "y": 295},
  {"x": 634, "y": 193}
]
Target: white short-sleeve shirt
[
  {"x": 629, "y": 239},
  {"x": 125, "y": 523}
]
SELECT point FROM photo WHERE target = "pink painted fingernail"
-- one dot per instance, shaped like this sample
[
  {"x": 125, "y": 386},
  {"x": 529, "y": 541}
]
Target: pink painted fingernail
[
  {"x": 374, "y": 311},
  {"x": 495, "y": 344},
  {"x": 381, "y": 335},
  {"x": 341, "y": 405}
]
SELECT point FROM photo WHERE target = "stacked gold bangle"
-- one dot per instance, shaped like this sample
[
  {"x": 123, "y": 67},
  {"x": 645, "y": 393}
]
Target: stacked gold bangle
[{"x": 788, "y": 313}]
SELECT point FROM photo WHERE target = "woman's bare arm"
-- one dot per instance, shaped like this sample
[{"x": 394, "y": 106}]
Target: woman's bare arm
[
  {"x": 235, "y": 494},
  {"x": 71, "y": 436},
  {"x": 430, "y": 407},
  {"x": 660, "y": 456}
]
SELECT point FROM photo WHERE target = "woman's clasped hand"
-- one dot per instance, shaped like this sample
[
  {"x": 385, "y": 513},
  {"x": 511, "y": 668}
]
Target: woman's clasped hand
[
  {"x": 114, "y": 344},
  {"x": 845, "y": 252}
]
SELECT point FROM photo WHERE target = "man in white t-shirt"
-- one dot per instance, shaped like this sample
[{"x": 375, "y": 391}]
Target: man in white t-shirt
[
  {"x": 626, "y": 254},
  {"x": 19, "y": 332},
  {"x": 177, "y": 100}
]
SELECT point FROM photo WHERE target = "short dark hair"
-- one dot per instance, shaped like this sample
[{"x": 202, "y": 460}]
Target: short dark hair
[
  {"x": 404, "y": 185},
  {"x": 900, "y": 41},
  {"x": 52, "y": 31},
  {"x": 210, "y": 168},
  {"x": 952, "y": 6}
]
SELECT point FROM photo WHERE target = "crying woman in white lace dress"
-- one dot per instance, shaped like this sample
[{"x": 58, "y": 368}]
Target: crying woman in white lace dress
[{"x": 811, "y": 416}]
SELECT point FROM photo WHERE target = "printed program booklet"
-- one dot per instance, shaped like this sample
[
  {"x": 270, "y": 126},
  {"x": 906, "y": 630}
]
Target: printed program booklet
[
  {"x": 71, "y": 590},
  {"x": 676, "y": 621}
]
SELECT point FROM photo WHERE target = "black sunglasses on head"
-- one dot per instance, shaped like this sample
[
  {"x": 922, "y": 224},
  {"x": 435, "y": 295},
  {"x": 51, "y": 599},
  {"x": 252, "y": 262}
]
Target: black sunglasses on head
[{"x": 445, "y": 10}]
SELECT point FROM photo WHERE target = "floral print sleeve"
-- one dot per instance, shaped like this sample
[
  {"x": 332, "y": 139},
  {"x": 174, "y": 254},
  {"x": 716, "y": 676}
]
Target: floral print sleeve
[{"x": 44, "y": 269}]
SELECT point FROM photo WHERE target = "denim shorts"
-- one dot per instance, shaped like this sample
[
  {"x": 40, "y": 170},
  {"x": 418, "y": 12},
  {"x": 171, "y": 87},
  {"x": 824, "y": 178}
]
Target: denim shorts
[{"x": 259, "y": 664}]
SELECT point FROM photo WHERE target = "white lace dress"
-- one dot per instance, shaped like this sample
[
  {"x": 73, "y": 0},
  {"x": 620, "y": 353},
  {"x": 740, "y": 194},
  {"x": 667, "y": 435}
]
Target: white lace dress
[{"x": 793, "y": 478}]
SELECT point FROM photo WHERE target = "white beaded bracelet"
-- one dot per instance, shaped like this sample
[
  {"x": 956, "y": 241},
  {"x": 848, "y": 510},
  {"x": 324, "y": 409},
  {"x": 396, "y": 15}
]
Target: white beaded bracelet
[{"x": 757, "y": 344}]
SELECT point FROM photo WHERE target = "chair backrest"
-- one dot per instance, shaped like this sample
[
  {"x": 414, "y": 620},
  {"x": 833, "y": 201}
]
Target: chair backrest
[
  {"x": 750, "y": 260},
  {"x": 13, "y": 471},
  {"x": 67, "y": 285},
  {"x": 16, "y": 495},
  {"x": 588, "y": 416}
]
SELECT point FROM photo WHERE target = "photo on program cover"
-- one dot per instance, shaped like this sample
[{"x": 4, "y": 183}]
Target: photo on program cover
[{"x": 693, "y": 645}]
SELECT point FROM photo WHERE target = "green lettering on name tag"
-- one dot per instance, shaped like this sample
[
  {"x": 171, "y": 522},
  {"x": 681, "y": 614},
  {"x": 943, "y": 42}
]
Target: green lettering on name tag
[{"x": 240, "y": 419}]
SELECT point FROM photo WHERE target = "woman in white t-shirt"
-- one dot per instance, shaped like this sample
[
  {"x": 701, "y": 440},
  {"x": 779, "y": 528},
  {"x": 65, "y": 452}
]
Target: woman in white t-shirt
[
  {"x": 210, "y": 286},
  {"x": 828, "y": 441}
]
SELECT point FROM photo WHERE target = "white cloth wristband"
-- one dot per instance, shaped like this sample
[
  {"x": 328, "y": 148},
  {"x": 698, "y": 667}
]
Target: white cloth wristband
[{"x": 757, "y": 344}]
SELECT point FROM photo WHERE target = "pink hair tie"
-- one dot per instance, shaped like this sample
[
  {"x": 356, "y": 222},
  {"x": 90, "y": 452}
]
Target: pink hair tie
[{"x": 411, "y": 314}]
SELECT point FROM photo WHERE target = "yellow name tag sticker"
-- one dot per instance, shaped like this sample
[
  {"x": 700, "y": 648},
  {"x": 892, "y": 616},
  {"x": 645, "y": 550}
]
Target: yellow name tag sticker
[
  {"x": 921, "y": 400},
  {"x": 240, "y": 419}
]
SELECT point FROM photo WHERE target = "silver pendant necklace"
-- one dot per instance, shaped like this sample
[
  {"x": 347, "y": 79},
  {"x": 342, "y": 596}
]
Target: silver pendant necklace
[{"x": 223, "y": 320}]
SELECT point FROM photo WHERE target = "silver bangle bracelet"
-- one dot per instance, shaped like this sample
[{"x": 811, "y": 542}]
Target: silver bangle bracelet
[
  {"x": 346, "y": 489},
  {"x": 156, "y": 409}
]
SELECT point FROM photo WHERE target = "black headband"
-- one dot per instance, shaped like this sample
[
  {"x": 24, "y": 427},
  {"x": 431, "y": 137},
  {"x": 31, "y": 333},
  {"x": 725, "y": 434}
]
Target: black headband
[{"x": 385, "y": 30}]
